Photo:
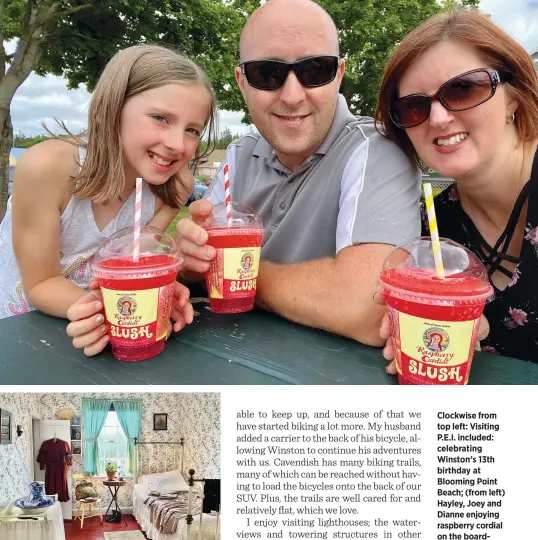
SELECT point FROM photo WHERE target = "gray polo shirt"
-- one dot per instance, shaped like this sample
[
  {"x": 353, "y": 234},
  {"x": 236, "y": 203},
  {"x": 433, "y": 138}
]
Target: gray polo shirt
[{"x": 357, "y": 188}]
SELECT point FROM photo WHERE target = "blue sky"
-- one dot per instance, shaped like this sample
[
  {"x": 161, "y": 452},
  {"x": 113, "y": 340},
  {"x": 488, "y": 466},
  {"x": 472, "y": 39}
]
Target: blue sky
[{"x": 43, "y": 99}]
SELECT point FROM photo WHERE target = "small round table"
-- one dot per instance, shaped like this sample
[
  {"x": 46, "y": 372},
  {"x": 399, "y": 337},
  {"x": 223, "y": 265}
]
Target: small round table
[{"x": 116, "y": 484}]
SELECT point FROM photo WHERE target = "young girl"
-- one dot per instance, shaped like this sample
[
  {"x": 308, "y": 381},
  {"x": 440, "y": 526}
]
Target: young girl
[{"x": 147, "y": 114}]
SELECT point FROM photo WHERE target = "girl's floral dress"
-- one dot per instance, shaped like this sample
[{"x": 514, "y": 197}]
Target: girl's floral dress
[{"x": 513, "y": 312}]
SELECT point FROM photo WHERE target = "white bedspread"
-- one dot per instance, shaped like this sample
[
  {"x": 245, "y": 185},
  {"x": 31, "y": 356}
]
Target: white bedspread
[{"x": 141, "y": 514}]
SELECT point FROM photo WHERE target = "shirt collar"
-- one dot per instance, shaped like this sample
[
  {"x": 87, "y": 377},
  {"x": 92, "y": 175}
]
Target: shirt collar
[{"x": 342, "y": 117}]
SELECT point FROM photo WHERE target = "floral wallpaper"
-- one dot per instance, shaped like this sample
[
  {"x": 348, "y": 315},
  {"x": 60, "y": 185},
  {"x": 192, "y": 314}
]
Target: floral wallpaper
[
  {"x": 193, "y": 416},
  {"x": 202, "y": 441},
  {"x": 16, "y": 458}
]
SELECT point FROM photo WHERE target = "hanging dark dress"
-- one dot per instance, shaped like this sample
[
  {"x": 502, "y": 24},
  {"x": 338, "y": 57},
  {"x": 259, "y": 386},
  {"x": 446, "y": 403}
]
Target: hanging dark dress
[
  {"x": 513, "y": 313},
  {"x": 55, "y": 457}
]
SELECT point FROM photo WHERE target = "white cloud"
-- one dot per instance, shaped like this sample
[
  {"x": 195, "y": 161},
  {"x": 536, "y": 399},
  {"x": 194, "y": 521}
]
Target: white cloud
[
  {"x": 42, "y": 99},
  {"x": 517, "y": 17},
  {"x": 232, "y": 121},
  {"x": 64, "y": 100},
  {"x": 45, "y": 98}
]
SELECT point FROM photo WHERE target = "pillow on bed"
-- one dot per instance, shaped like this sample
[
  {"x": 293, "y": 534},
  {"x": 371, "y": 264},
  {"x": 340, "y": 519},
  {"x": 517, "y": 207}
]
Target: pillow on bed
[
  {"x": 145, "y": 477},
  {"x": 166, "y": 483}
]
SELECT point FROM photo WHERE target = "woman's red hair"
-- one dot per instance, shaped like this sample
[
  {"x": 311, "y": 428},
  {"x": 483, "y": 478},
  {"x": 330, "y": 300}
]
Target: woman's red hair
[{"x": 498, "y": 50}]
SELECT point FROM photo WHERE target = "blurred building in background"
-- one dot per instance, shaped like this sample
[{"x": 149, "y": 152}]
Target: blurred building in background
[
  {"x": 14, "y": 156},
  {"x": 208, "y": 166}
]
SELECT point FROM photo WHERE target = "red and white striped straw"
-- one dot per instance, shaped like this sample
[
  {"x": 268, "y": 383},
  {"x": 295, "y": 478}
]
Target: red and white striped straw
[
  {"x": 138, "y": 219},
  {"x": 227, "y": 194}
]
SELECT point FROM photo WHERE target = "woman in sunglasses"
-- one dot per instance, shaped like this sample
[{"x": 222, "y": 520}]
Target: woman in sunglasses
[{"x": 460, "y": 96}]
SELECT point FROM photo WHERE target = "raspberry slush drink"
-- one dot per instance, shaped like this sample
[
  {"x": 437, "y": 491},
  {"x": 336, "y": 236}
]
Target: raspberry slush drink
[
  {"x": 434, "y": 322},
  {"x": 137, "y": 295},
  {"x": 231, "y": 286},
  {"x": 231, "y": 278}
]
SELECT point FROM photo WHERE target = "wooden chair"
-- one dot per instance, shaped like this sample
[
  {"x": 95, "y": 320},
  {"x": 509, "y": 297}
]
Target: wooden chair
[
  {"x": 81, "y": 510},
  {"x": 92, "y": 503}
]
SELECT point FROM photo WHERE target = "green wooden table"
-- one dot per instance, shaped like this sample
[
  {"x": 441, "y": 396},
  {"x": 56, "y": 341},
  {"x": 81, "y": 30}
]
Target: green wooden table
[{"x": 250, "y": 348}]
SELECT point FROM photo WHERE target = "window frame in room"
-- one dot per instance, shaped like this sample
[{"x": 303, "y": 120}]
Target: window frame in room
[{"x": 101, "y": 473}]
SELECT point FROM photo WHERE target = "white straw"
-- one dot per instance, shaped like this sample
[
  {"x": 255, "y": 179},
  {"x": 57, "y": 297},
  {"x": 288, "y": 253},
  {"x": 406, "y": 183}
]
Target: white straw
[{"x": 138, "y": 219}]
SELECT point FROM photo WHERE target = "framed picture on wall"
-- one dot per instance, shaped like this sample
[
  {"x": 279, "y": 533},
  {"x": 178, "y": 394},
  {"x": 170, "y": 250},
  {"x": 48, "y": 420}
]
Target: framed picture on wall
[
  {"x": 75, "y": 433},
  {"x": 76, "y": 448},
  {"x": 5, "y": 427},
  {"x": 160, "y": 422}
]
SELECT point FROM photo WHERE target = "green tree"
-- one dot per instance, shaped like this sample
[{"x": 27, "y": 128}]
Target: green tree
[
  {"x": 225, "y": 138},
  {"x": 368, "y": 30},
  {"x": 454, "y": 4},
  {"x": 204, "y": 179},
  {"x": 76, "y": 38},
  {"x": 22, "y": 141},
  {"x": 367, "y": 43}
]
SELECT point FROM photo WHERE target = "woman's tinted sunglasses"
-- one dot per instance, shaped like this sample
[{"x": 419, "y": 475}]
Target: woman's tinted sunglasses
[
  {"x": 463, "y": 92},
  {"x": 271, "y": 74}
]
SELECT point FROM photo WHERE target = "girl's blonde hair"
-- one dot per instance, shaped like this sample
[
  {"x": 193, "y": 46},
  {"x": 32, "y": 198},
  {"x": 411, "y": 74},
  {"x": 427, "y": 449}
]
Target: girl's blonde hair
[
  {"x": 129, "y": 72},
  {"x": 498, "y": 51}
]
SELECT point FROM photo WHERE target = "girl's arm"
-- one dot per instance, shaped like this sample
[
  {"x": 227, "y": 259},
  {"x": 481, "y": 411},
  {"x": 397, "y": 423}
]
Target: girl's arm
[
  {"x": 87, "y": 328},
  {"x": 40, "y": 193},
  {"x": 163, "y": 217},
  {"x": 164, "y": 214}
]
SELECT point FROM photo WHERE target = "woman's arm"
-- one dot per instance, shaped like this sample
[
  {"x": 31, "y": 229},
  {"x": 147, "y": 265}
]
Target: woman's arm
[{"x": 40, "y": 193}]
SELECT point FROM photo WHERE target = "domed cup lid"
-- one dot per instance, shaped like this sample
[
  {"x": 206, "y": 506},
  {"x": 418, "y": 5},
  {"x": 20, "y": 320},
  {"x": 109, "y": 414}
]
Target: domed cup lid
[
  {"x": 158, "y": 251},
  {"x": 411, "y": 266},
  {"x": 243, "y": 216}
]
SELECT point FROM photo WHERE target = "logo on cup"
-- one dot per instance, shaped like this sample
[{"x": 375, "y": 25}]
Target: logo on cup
[
  {"x": 126, "y": 306},
  {"x": 247, "y": 260},
  {"x": 436, "y": 339}
]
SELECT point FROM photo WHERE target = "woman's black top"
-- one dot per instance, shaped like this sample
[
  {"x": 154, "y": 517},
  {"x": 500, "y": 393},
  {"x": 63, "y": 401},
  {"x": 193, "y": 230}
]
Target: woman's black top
[{"x": 513, "y": 312}]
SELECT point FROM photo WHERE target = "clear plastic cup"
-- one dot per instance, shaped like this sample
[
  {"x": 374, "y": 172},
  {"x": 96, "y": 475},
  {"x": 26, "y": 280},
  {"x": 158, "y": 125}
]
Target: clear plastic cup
[
  {"x": 434, "y": 322},
  {"x": 137, "y": 295},
  {"x": 231, "y": 278}
]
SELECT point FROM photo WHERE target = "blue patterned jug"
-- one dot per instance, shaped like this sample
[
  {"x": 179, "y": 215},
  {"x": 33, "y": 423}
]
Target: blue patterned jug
[{"x": 37, "y": 496}]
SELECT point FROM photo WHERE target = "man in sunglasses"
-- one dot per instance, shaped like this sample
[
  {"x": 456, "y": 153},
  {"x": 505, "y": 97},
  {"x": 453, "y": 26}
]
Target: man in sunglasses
[{"x": 333, "y": 194}]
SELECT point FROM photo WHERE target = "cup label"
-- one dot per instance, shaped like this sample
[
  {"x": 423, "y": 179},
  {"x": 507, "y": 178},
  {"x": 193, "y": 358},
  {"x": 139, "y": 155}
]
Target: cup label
[
  {"x": 138, "y": 317},
  {"x": 431, "y": 351},
  {"x": 234, "y": 272}
]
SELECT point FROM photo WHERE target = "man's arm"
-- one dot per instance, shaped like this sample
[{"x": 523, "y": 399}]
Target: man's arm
[
  {"x": 192, "y": 239},
  {"x": 378, "y": 209},
  {"x": 196, "y": 254},
  {"x": 334, "y": 294}
]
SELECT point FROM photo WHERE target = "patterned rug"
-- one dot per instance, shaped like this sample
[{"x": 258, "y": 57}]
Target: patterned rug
[{"x": 125, "y": 535}]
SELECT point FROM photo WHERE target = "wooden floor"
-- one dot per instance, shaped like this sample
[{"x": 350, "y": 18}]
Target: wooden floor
[{"x": 93, "y": 530}]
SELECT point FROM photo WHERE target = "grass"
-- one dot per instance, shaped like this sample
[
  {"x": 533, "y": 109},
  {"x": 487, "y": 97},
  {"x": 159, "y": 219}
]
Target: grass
[{"x": 184, "y": 212}]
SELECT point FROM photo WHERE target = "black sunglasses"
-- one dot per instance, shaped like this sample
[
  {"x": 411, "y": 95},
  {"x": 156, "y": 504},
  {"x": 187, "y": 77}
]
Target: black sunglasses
[
  {"x": 460, "y": 93},
  {"x": 271, "y": 74}
]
